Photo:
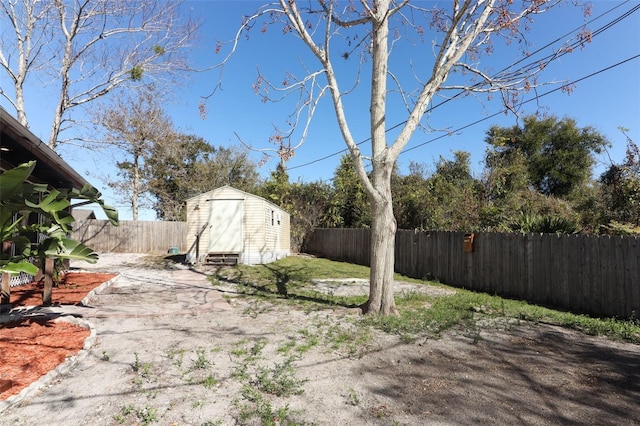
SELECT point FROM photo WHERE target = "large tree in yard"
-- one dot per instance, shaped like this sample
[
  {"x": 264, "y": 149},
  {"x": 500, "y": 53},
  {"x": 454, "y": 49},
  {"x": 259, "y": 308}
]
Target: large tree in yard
[{"x": 377, "y": 35}]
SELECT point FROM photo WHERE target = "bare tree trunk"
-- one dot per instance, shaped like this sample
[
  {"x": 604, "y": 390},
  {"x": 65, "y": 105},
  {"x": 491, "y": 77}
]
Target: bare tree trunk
[
  {"x": 56, "y": 123},
  {"x": 383, "y": 223},
  {"x": 21, "y": 115},
  {"x": 135, "y": 192},
  {"x": 383, "y": 234}
]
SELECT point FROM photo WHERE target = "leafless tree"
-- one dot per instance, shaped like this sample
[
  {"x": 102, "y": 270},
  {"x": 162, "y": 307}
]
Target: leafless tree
[
  {"x": 457, "y": 34},
  {"x": 88, "y": 48},
  {"x": 21, "y": 53},
  {"x": 133, "y": 125}
]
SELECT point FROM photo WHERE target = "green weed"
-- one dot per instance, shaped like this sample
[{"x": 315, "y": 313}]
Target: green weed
[
  {"x": 352, "y": 397},
  {"x": 210, "y": 382},
  {"x": 144, "y": 369},
  {"x": 176, "y": 355},
  {"x": 287, "y": 346},
  {"x": 280, "y": 380},
  {"x": 255, "y": 405},
  {"x": 143, "y": 415},
  {"x": 202, "y": 361}
]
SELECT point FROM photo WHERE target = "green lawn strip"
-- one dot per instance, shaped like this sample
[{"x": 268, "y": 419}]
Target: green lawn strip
[{"x": 290, "y": 279}]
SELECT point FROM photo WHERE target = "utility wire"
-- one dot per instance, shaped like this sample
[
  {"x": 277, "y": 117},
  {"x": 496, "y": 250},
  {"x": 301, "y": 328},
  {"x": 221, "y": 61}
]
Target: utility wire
[
  {"x": 565, "y": 51},
  {"x": 524, "y": 102}
]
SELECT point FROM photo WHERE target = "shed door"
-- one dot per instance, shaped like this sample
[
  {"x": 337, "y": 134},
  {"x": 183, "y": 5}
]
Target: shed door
[{"x": 225, "y": 234}]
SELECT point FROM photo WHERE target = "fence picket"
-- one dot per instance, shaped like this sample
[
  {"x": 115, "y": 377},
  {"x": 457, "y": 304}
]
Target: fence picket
[
  {"x": 131, "y": 236},
  {"x": 589, "y": 274}
]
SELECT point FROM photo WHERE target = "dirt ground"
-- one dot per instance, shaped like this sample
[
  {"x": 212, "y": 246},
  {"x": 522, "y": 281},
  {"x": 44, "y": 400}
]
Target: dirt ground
[{"x": 170, "y": 349}]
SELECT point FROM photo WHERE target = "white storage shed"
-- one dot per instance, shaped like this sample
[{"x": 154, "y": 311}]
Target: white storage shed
[{"x": 229, "y": 226}]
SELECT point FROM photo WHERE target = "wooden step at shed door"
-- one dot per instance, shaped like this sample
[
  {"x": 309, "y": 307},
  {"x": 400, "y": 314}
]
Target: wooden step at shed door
[{"x": 222, "y": 259}]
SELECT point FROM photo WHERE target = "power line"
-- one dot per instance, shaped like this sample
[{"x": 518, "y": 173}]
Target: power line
[
  {"x": 524, "y": 102},
  {"x": 577, "y": 43}
]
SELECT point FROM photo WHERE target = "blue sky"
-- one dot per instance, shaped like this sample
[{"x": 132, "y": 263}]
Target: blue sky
[{"x": 605, "y": 101}]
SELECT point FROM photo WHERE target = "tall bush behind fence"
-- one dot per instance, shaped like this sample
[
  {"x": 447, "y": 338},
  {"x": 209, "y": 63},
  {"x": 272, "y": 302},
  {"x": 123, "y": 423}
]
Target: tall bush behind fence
[
  {"x": 597, "y": 275},
  {"x": 131, "y": 236}
]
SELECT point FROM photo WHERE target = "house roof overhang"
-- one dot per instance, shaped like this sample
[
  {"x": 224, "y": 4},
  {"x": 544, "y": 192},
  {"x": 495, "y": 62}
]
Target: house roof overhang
[{"x": 18, "y": 145}]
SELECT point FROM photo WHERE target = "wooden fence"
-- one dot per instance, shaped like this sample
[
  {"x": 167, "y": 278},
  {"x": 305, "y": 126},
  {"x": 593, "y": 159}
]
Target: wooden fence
[
  {"x": 597, "y": 275},
  {"x": 131, "y": 236}
]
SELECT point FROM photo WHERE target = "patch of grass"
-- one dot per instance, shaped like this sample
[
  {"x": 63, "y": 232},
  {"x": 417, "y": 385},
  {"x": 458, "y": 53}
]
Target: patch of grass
[
  {"x": 239, "y": 348},
  {"x": 176, "y": 355},
  {"x": 466, "y": 308},
  {"x": 196, "y": 372},
  {"x": 242, "y": 349},
  {"x": 240, "y": 372},
  {"x": 210, "y": 382},
  {"x": 443, "y": 314},
  {"x": 301, "y": 270},
  {"x": 213, "y": 423},
  {"x": 202, "y": 361},
  {"x": 280, "y": 380},
  {"x": 287, "y": 346},
  {"x": 256, "y": 405},
  {"x": 257, "y": 348},
  {"x": 352, "y": 337},
  {"x": 125, "y": 411},
  {"x": 256, "y": 309},
  {"x": 143, "y": 415},
  {"x": 290, "y": 279},
  {"x": 628, "y": 330},
  {"x": 246, "y": 353},
  {"x": 143, "y": 369},
  {"x": 309, "y": 342}
]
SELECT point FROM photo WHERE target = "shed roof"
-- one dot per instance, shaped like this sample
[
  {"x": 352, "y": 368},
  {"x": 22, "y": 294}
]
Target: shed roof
[
  {"x": 18, "y": 145},
  {"x": 243, "y": 193}
]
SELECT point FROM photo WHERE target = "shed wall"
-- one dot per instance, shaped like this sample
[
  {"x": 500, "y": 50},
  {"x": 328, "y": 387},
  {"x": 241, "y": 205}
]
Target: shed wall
[{"x": 197, "y": 218}]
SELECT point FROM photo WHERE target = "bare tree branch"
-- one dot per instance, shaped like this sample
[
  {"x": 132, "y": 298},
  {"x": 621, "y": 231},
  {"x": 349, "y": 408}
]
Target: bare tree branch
[{"x": 96, "y": 46}]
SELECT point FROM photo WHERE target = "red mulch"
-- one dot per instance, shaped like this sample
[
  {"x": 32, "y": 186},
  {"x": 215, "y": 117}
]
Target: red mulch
[
  {"x": 73, "y": 287},
  {"x": 31, "y": 348}
]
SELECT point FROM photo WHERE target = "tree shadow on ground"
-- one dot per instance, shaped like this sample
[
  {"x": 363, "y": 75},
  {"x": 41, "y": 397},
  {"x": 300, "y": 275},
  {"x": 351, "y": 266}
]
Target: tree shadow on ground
[
  {"x": 529, "y": 375},
  {"x": 283, "y": 277}
]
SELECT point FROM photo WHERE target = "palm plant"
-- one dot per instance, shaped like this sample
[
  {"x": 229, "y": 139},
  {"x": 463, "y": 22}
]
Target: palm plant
[{"x": 19, "y": 199}]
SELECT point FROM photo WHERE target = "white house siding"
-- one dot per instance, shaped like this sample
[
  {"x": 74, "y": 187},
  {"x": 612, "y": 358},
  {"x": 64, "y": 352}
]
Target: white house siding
[{"x": 263, "y": 241}]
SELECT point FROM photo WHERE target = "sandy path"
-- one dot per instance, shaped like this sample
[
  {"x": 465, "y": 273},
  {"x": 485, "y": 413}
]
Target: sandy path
[{"x": 171, "y": 350}]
